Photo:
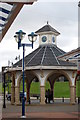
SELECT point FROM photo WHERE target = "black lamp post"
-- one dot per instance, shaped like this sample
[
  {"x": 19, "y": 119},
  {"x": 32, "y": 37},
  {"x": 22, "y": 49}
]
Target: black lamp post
[
  {"x": 19, "y": 37},
  {"x": 3, "y": 75},
  {"x": 8, "y": 73}
]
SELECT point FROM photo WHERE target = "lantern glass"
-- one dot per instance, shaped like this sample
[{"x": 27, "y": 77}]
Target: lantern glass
[
  {"x": 16, "y": 38},
  {"x": 19, "y": 35},
  {"x": 32, "y": 37}
]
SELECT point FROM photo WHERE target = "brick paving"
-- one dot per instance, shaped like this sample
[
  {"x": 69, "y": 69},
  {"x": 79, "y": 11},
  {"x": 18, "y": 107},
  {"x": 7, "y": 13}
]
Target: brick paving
[{"x": 42, "y": 111}]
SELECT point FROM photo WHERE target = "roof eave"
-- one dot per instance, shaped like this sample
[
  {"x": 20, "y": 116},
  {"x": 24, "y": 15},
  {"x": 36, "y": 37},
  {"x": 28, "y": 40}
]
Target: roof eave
[
  {"x": 69, "y": 53},
  {"x": 48, "y": 32},
  {"x": 45, "y": 68}
]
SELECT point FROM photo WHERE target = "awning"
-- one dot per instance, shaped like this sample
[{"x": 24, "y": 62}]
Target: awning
[{"x": 9, "y": 9}]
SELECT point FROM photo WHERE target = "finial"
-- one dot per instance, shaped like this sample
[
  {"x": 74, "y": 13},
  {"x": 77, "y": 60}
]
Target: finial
[{"x": 47, "y": 22}]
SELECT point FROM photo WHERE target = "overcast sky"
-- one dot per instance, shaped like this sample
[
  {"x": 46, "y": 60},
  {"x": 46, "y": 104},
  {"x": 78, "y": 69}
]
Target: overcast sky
[{"x": 62, "y": 15}]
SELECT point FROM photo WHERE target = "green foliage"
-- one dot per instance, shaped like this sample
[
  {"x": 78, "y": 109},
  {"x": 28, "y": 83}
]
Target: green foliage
[
  {"x": 47, "y": 86},
  {"x": 78, "y": 88},
  {"x": 9, "y": 87},
  {"x": 61, "y": 89},
  {"x": 35, "y": 88},
  {"x": 0, "y": 88},
  {"x": 21, "y": 86}
]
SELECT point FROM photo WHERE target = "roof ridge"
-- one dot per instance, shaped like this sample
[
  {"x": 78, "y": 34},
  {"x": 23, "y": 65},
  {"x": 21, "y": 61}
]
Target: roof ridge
[
  {"x": 47, "y": 28},
  {"x": 54, "y": 56},
  {"x": 43, "y": 55},
  {"x": 58, "y": 49},
  {"x": 52, "y": 28},
  {"x": 34, "y": 55}
]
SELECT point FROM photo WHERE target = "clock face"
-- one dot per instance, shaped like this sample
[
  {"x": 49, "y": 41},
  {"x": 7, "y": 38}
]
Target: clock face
[
  {"x": 53, "y": 39},
  {"x": 44, "y": 39}
]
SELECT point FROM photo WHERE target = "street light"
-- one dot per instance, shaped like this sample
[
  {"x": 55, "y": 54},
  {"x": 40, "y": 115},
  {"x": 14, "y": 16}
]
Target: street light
[
  {"x": 3, "y": 77},
  {"x": 9, "y": 64},
  {"x": 32, "y": 38},
  {"x": 19, "y": 37}
]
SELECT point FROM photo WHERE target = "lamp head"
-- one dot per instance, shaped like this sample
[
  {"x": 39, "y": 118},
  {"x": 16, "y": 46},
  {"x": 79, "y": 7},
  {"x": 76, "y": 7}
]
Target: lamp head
[
  {"x": 32, "y": 37},
  {"x": 19, "y": 37},
  {"x": 20, "y": 34}
]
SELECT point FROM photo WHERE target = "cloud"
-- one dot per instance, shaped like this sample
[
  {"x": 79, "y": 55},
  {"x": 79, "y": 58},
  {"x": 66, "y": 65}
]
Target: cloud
[{"x": 63, "y": 16}]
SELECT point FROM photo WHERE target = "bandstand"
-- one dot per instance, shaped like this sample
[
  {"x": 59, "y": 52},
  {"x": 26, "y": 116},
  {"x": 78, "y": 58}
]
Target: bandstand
[{"x": 43, "y": 64}]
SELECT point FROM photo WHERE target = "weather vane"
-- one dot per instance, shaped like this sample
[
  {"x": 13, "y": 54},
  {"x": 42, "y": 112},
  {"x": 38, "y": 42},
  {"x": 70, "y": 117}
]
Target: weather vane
[
  {"x": 47, "y": 22},
  {"x": 79, "y": 4}
]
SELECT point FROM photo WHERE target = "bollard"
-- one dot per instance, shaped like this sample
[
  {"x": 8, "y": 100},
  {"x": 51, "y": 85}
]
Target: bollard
[{"x": 62, "y": 99}]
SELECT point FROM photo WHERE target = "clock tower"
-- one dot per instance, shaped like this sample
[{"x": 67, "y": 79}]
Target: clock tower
[{"x": 47, "y": 35}]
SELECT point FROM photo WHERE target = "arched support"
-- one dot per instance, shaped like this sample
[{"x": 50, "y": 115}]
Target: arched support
[
  {"x": 42, "y": 76},
  {"x": 42, "y": 97},
  {"x": 72, "y": 94},
  {"x": 70, "y": 75}
]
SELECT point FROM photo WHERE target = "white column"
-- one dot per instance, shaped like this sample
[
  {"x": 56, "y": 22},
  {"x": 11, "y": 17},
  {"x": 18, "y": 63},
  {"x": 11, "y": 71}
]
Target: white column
[
  {"x": 13, "y": 89},
  {"x": 42, "y": 96},
  {"x": 72, "y": 94}
]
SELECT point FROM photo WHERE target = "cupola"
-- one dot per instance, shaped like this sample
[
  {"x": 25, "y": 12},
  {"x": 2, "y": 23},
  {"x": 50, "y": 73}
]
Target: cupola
[{"x": 47, "y": 35}]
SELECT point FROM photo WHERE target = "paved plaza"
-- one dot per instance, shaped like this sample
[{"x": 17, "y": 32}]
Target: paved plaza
[{"x": 47, "y": 111}]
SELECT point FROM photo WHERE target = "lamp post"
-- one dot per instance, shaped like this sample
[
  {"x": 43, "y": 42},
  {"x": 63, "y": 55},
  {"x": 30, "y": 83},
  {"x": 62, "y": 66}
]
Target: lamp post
[
  {"x": 3, "y": 77},
  {"x": 9, "y": 62},
  {"x": 19, "y": 37}
]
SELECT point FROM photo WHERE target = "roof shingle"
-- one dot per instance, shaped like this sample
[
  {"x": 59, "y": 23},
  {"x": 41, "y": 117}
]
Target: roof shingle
[
  {"x": 47, "y": 28},
  {"x": 46, "y": 55}
]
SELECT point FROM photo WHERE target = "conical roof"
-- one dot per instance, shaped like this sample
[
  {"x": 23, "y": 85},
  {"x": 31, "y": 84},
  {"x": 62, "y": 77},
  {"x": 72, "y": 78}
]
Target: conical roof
[
  {"x": 45, "y": 55},
  {"x": 47, "y": 28}
]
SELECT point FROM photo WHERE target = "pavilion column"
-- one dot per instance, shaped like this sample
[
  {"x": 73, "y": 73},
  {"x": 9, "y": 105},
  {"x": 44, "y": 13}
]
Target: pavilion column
[
  {"x": 75, "y": 93},
  {"x": 72, "y": 94},
  {"x": 12, "y": 95},
  {"x": 42, "y": 97},
  {"x": 17, "y": 87},
  {"x": 13, "y": 89},
  {"x": 17, "y": 100}
]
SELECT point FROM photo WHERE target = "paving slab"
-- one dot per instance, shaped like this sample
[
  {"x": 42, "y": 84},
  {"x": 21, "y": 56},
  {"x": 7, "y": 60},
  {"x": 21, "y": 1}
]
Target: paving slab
[{"x": 37, "y": 111}]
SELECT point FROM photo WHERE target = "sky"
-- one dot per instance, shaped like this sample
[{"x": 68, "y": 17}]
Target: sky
[{"x": 61, "y": 14}]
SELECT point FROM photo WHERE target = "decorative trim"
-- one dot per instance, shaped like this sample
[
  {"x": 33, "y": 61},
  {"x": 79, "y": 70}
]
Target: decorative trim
[{"x": 42, "y": 73}]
